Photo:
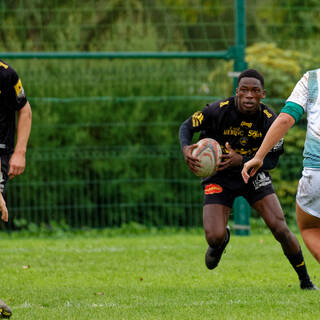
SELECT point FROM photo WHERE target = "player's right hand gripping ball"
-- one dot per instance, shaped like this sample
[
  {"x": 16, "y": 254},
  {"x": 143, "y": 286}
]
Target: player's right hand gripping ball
[{"x": 208, "y": 152}]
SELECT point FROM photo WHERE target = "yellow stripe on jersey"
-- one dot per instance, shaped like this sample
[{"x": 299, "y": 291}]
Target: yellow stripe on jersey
[
  {"x": 3, "y": 65},
  {"x": 269, "y": 115},
  {"x": 197, "y": 119},
  {"x": 18, "y": 87},
  {"x": 223, "y": 103}
]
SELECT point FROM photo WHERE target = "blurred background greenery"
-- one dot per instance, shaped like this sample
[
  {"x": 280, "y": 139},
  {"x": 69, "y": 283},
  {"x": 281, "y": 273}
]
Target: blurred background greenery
[{"x": 104, "y": 147}]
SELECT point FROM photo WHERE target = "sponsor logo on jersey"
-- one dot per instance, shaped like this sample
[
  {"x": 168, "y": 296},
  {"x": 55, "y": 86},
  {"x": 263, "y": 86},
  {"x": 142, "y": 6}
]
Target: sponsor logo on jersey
[
  {"x": 19, "y": 89},
  {"x": 197, "y": 119},
  {"x": 223, "y": 103},
  {"x": 245, "y": 152},
  {"x": 278, "y": 146},
  {"x": 237, "y": 131},
  {"x": 254, "y": 134},
  {"x": 246, "y": 124},
  {"x": 212, "y": 188},
  {"x": 261, "y": 180},
  {"x": 242, "y": 151},
  {"x": 3, "y": 65},
  {"x": 268, "y": 114},
  {"x": 243, "y": 141},
  {"x": 232, "y": 131}
]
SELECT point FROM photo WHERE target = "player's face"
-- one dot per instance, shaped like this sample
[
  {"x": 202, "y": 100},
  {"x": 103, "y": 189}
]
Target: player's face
[{"x": 249, "y": 93}]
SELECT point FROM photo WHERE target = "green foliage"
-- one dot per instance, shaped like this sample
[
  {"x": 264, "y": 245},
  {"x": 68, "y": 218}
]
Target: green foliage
[
  {"x": 104, "y": 145},
  {"x": 281, "y": 68},
  {"x": 292, "y": 25}
]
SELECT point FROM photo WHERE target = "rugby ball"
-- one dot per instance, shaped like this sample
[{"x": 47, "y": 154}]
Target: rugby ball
[{"x": 208, "y": 152}]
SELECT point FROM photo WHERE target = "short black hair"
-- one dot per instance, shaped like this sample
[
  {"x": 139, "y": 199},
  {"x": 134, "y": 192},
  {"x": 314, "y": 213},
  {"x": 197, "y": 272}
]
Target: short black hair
[{"x": 251, "y": 73}]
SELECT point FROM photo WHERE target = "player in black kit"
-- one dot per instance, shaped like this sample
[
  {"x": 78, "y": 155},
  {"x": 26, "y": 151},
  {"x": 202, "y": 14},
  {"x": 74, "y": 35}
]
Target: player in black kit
[
  {"x": 239, "y": 124},
  {"x": 12, "y": 156}
]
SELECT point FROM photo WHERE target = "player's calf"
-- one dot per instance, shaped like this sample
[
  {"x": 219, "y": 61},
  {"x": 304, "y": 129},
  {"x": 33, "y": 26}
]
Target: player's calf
[{"x": 213, "y": 255}]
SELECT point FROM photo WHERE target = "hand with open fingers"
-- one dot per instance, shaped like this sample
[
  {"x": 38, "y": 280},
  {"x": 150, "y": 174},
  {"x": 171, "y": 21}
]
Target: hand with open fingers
[
  {"x": 17, "y": 164},
  {"x": 250, "y": 168},
  {"x": 192, "y": 162},
  {"x": 230, "y": 159},
  {"x": 3, "y": 209}
]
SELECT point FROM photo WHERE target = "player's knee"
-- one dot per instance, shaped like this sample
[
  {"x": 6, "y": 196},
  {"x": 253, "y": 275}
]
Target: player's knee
[
  {"x": 282, "y": 233},
  {"x": 215, "y": 237}
]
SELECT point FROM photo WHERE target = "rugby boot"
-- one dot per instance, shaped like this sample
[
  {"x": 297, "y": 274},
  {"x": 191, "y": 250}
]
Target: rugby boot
[
  {"x": 213, "y": 255},
  {"x": 307, "y": 285},
  {"x": 5, "y": 311}
]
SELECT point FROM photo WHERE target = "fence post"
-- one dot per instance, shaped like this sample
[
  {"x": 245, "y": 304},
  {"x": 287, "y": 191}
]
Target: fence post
[
  {"x": 242, "y": 210},
  {"x": 240, "y": 63},
  {"x": 241, "y": 207}
]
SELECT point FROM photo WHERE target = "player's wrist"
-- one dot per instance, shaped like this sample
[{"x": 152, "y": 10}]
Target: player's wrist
[{"x": 20, "y": 149}]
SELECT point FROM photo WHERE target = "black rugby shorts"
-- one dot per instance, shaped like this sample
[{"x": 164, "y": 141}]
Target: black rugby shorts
[
  {"x": 4, "y": 158},
  {"x": 224, "y": 187}
]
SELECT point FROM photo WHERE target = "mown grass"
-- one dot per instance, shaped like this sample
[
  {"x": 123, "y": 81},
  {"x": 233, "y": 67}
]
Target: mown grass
[{"x": 160, "y": 276}]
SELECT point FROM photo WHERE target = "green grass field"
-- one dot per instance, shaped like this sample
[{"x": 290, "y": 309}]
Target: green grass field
[{"x": 152, "y": 277}]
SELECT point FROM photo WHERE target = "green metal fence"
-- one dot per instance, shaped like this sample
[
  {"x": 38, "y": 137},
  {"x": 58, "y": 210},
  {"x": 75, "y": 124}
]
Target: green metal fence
[
  {"x": 110, "y": 83},
  {"x": 105, "y": 187},
  {"x": 99, "y": 187}
]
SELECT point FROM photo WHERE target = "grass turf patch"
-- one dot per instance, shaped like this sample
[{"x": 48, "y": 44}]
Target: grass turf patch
[{"x": 152, "y": 277}]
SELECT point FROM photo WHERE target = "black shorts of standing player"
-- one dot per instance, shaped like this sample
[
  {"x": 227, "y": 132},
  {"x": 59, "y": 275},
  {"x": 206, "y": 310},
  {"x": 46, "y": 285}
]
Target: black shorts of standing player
[
  {"x": 4, "y": 165},
  {"x": 224, "y": 188}
]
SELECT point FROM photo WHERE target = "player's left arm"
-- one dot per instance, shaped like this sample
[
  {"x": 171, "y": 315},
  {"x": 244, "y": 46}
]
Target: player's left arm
[{"x": 18, "y": 159}]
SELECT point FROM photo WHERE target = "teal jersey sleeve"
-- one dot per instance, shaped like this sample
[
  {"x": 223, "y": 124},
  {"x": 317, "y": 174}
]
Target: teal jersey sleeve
[{"x": 295, "y": 110}]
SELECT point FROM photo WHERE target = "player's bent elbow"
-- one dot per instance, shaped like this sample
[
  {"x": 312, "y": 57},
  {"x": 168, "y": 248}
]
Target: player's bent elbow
[{"x": 285, "y": 120}]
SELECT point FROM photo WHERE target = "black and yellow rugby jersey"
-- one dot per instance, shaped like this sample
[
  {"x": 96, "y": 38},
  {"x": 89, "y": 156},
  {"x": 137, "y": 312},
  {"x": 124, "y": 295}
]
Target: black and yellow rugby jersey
[
  {"x": 12, "y": 99},
  {"x": 223, "y": 122}
]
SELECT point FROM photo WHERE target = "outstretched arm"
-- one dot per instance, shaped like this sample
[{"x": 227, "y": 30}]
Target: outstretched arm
[
  {"x": 18, "y": 159},
  {"x": 277, "y": 130}
]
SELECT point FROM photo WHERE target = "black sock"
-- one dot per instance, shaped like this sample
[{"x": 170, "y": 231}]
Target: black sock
[{"x": 298, "y": 264}]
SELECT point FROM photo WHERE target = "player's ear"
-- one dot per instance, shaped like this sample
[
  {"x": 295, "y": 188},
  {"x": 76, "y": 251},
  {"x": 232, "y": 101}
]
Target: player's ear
[{"x": 263, "y": 93}]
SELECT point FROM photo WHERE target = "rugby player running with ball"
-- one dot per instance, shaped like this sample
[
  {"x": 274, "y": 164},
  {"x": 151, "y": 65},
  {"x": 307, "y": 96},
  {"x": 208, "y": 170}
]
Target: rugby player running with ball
[{"x": 239, "y": 123}]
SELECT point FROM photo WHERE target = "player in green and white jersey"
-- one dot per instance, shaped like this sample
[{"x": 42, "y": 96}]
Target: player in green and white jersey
[{"x": 304, "y": 98}]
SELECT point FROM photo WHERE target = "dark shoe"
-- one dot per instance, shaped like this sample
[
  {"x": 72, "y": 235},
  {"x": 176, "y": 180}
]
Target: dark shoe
[
  {"x": 307, "y": 285},
  {"x": 5, "y": 311},
  {"x": 213, "y": 255}
]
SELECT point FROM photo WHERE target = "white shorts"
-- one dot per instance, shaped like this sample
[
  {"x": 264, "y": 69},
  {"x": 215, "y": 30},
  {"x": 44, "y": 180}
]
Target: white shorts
[{"x": 308, "y": 195}]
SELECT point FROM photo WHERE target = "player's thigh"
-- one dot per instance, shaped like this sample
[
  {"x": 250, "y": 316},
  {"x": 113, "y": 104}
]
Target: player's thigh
[
  {"x": 270, "y": 210},
  {"x": 305, "y": 220}
]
